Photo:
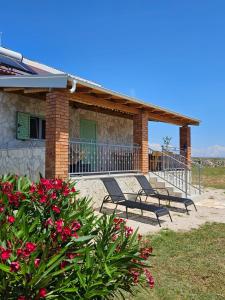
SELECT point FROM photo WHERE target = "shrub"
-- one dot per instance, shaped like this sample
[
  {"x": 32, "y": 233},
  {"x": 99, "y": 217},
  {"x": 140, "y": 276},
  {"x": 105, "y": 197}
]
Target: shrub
[{"x": 53, "y": 246}]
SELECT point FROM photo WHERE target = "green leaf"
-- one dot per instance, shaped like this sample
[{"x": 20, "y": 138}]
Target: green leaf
[{"x": 5, "y": 268}]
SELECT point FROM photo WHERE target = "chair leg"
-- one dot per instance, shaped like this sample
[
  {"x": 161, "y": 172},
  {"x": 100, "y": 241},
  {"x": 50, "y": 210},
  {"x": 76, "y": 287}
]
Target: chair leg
[
  {"x": 170, "y": 216},
  {"x": 115, "y": 208},
  {"x": 187, "y": 209},
  {"x": 195, "y": 207},
  {"x": 101, "y": 206},
  {"x": 127, "y": 212},
  {"x": 158, "y": 220}
]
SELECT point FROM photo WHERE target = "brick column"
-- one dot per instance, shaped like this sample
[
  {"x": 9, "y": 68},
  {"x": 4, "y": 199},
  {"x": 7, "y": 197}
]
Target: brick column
[
  {"x": 140, "y": 137},
  {"x": 185, "y": 142},
  {"x": 57, "y": 135}
]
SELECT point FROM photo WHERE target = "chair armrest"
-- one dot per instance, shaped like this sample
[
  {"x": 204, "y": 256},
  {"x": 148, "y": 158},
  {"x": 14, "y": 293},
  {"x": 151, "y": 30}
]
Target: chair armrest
[
  {"x": 109, "y": 196},
  {"x": 142, "y": 191},
  {"x": 131, "y": 196},
  {"x": 163, "y": 189}
]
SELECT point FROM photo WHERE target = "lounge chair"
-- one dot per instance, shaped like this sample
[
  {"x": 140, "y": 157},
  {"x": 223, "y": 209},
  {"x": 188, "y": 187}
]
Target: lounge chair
[
  {"x": 148, "y": 191},
  {"x": 116, "y": 196}
]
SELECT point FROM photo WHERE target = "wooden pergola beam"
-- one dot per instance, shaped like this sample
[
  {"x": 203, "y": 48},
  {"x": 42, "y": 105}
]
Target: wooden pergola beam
[
  {"x": 166, "y": 119},
  {"x": 13, "y": 89},
  {"x": 84, "y": 90},
  {"x": 35, "y": 90},
  {"x": 95, "y": 101}
]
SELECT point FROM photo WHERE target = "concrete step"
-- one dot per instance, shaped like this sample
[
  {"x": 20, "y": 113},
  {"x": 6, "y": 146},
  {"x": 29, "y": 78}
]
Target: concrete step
[{"x": 158, "y": 182}]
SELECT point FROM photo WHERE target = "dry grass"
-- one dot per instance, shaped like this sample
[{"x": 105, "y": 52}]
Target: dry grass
[
  {"x": 214, "y": 177},
  {"x": 188, "y": 265}
]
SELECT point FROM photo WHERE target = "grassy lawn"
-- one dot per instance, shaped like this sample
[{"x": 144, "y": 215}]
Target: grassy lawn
[
  {"x": 188, "y": 265},
  {"x": 214, "y": 177},
  {"x": 211, "y": 177}
]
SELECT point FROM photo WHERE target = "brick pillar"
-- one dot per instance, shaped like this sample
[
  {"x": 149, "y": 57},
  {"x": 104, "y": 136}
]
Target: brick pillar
[
  {"x": 185, "y": 142},
  {"x": 140, "y": 137},
  {"x": 57, "y": 135}
]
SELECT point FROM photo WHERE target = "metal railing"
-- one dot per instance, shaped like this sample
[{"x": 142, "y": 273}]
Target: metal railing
[
  {"x": 90, "y": 157},
  {"x": 176, "y": 170}
]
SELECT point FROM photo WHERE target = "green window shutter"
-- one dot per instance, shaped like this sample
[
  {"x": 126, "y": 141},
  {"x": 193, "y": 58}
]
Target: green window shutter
[{"x": 23, "y": 126}]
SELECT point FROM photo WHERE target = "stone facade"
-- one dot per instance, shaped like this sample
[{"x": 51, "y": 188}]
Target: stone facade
[
  {"x": 28, "y": 157},
  {"x": 110, "y": 129},
  {"x": 16, "y": 156}
]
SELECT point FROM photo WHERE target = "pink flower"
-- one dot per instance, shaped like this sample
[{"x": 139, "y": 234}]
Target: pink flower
[
  {"x": 14, "y": 266},
  {"x": 74, "y": 235},
  {"x": 58, "y": 184},
  {"x": 42, "y": 293},
  {"x": 75, "y": 226},
  {"x": 128, "y": 231},
  {"x": 135, "y": 274},
  {"x": 1, "y": 209},
  {"x": 5, "y": 254},
  {"x": 73, "y": 190},
  {"x": 21, "y": 297},
  {"x": 19, "y": 251},
  {"x": 40, "y": 191},
  {"x": 11, "y": 219},
  {"x": 37, "y": 262},
  {"x": 150, "y": 279},
  {"x": 32, "y": 188},
  {"x": 56, "y": 209},
  {"x": 30, "y": 247},
  {"x": 53, "y": 196},
  {"x": 49, "y": 221},
  {"x": 43, "y": 199},
  {"x": 66, "y": 191},
  {"x": 145, "y": 253},
  {"x": 66, "y": 231},
  {"x": 59, "y": 225},
  {"x": 63, "y": 264},
  {"x": 71, "y": 255}
]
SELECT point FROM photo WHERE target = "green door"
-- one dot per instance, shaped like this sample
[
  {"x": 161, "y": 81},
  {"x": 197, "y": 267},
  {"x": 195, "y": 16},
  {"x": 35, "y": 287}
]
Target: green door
[
  {"x": 88, "y": 130},
  {"x": 88, "y": 146}
]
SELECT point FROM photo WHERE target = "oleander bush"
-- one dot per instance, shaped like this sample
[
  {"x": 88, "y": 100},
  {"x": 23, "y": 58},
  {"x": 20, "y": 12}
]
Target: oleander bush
[{"x": 53, "y": 246}]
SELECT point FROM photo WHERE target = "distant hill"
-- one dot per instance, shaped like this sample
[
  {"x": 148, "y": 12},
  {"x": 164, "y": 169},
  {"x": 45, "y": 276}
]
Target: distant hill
[{"x": 210, "y": 161}]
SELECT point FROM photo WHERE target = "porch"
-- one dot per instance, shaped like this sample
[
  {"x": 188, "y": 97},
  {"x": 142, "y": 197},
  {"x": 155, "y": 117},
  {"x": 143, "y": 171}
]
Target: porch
[{"x": 122, "y": 148}]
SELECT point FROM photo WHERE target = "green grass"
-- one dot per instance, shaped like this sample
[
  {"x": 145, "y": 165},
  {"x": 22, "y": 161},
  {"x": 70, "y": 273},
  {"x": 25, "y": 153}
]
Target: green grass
[
  {"x": 188, "y": 265},
  {"x": 213, "y": 177}
]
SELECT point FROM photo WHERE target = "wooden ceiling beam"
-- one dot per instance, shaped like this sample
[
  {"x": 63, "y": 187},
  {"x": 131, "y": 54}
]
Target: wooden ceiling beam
[
  {"x": 104, "y": 96},
  {"x": 100, "y": 110},
  {"x": 94, "y": 101},
  {"x": 36, "y": 90},
  {"x": 164, "y": 119},
  {"x": 84, "y": 90},
  {"x": 13, "y": 89}
]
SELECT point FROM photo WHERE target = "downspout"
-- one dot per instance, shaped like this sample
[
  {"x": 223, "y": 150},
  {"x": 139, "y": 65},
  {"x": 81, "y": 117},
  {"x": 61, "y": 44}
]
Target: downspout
[{"x": 74, "y": 85}]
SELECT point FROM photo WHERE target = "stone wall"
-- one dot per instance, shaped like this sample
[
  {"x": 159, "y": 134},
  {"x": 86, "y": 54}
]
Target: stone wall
[
  {"x": 110, "y": 129},
  {"x": 28, "y": 157},
  {"x": 16, "y": 156}
]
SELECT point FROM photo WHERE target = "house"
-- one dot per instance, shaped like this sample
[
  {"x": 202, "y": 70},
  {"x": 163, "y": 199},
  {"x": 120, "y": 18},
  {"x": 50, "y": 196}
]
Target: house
[{"x": 62, "y": 125}]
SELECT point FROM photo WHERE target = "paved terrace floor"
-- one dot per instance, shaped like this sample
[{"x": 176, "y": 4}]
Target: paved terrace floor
[{"x": 210, "y": 206}]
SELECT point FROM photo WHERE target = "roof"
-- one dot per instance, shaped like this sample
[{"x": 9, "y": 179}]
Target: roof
[{"x": 87, "y": 92}]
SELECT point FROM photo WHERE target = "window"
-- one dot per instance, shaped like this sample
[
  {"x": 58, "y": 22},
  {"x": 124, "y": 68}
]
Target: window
[
  {"x": 37, "y": 128},
  {"x": 30, "y": 127}
]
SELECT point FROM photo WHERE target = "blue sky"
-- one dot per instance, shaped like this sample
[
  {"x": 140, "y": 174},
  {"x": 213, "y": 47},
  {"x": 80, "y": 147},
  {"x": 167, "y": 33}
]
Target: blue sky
[{"x": 170, "y": 53}]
